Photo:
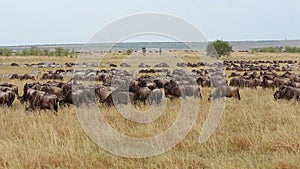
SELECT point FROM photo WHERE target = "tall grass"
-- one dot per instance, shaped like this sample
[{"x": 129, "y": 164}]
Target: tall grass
[{"x": 255, "y": 132}]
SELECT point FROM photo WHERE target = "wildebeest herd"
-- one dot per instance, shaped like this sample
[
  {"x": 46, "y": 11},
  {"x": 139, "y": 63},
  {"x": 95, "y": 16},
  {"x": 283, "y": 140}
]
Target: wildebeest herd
[{"x": 118, "y": 86}]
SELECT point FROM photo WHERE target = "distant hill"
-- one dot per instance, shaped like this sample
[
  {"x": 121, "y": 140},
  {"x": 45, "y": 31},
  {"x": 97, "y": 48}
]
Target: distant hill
[{"x": 237, "y": 45}]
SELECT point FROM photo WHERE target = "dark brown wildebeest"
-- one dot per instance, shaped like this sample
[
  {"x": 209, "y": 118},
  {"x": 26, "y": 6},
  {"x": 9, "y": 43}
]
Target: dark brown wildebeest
[
  {"x": 73, "y": 97},
  {"x": 225, "y": 91},
  {"x": 7, "y": 97},
  {"x": 234, "y": 74},
  {"x": 234, "y": 82},
  {"x": 14, "y": 64},
  {"x": 268, "y": 83},
  {"x": 160, "y": 83},
  {"x": 172, "y": 89},
  {"x": 142, "y": 93},
  {"x": 12, "y": 87},
  {"x": 101, "y": 93},
  {"x": 66, "y": 88},
  {"x": 278, "y": 82},
  {"x": 53, "y": 90},
  {"x": 294, "y": 84},
  {"x": 15, "y": 76},
  {"x": 287, "y": 92},
  {"x": 53, "y": 76},
  {"x": 27, "y": 76},
  {"x": 42, "y": 100},
  {"x": 257, "y": 82},
  {"x": 203, "y": 81}
]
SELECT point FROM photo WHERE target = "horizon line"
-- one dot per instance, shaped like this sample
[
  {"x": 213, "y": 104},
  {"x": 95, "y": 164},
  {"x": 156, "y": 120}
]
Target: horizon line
[{"x": 82, "y": 43}]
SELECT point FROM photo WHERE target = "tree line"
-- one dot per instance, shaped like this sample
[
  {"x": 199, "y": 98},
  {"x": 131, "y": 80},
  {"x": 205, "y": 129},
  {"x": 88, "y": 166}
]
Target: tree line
[
  {"x": 287, "y": 49},
  {"x": 35, "y": 51}
]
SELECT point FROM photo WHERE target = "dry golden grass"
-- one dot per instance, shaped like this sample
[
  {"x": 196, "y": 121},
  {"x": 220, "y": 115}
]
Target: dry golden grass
[{"x": 255, "y": 132}]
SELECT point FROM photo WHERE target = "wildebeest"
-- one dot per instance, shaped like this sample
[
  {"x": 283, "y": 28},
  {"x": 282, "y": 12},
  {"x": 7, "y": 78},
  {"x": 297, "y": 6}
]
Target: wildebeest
[
  {"x": 287, "y": 92},
  {"x": 155, "y": 96},
  {"x": 7, "y": 97},
  {"x": 12, "y": 87},
  {"x": 225, "y": 91},
  {"x": 142, "y": 94},
  {"x": 53, "y": 90},
  {"x": 53, "y": 76},
  {"x": 172, "y": 89},
  {"x": 15, "y": 76},
  {"x": 190, "y": 90},
  {"x": 26, "y": 77},
  {"x": 120, "y": 97},
  {"x": 42, "y": 100},
  {"x": 278, "y": 82}
]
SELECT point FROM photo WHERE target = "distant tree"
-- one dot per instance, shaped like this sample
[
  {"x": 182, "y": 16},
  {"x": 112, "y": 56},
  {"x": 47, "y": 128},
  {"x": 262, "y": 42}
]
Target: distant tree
[
  {"x": 35, "y": 51},
  {"x": 289, "y": 49},
  {"x": 46, "y": 52},
  {"x": 218, "y": 48},
  {"x": 25, "y": 52},
  {"x": 59, "y": 51},
  {"x": 5, "y": 52},
  {"x": 144, "y": 51},
  {"x": 129, "y": 51}
]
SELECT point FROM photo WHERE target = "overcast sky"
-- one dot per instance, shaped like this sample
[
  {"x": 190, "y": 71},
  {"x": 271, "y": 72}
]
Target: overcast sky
[{"x": 75, "y": 21}]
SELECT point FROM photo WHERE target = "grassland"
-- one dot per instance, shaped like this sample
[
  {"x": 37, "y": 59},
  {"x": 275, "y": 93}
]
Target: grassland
[{"x": 255, "y": 132}]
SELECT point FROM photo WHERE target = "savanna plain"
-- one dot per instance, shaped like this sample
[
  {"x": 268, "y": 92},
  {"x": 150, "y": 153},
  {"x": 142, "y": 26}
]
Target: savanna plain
[{"x": 254, "y": 132}]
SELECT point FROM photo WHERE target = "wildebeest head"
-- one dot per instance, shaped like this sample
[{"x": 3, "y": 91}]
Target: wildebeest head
[{"x": 277, "y": 95}]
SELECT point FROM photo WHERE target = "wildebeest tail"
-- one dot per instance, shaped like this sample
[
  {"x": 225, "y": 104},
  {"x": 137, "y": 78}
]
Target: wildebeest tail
[
  {"x": 11, "y": 98},
  {"x": 238, "y": 94}
]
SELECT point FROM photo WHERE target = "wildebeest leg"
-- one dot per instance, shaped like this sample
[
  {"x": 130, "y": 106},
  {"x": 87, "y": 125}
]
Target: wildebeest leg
[
  {"x": 238, "y": 94},
  {"x": 53, "y": 109}
]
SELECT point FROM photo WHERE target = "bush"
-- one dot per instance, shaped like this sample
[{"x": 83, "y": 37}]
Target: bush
[
  {"x": 218, "y": 48},
  {"x": 129, "y": 51}
]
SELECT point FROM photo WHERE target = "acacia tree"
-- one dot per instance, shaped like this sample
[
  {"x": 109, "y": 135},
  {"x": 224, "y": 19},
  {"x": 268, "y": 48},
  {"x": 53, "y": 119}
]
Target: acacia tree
[{"x": 218, "y": 48}]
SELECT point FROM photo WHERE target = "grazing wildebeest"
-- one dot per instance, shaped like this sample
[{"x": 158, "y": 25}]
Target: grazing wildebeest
[
  {"x": 7, "y": 97},
  {"x": 15, "y": 76},
  {"x": 43, "y": 100},
  {"x": 27, "y": 76},
  {"x": 225, "y": 91},
  {"x": 53, "y": 76},
  {"x": 287, "y": 92},
  {"x": 142, "y": 94}
]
